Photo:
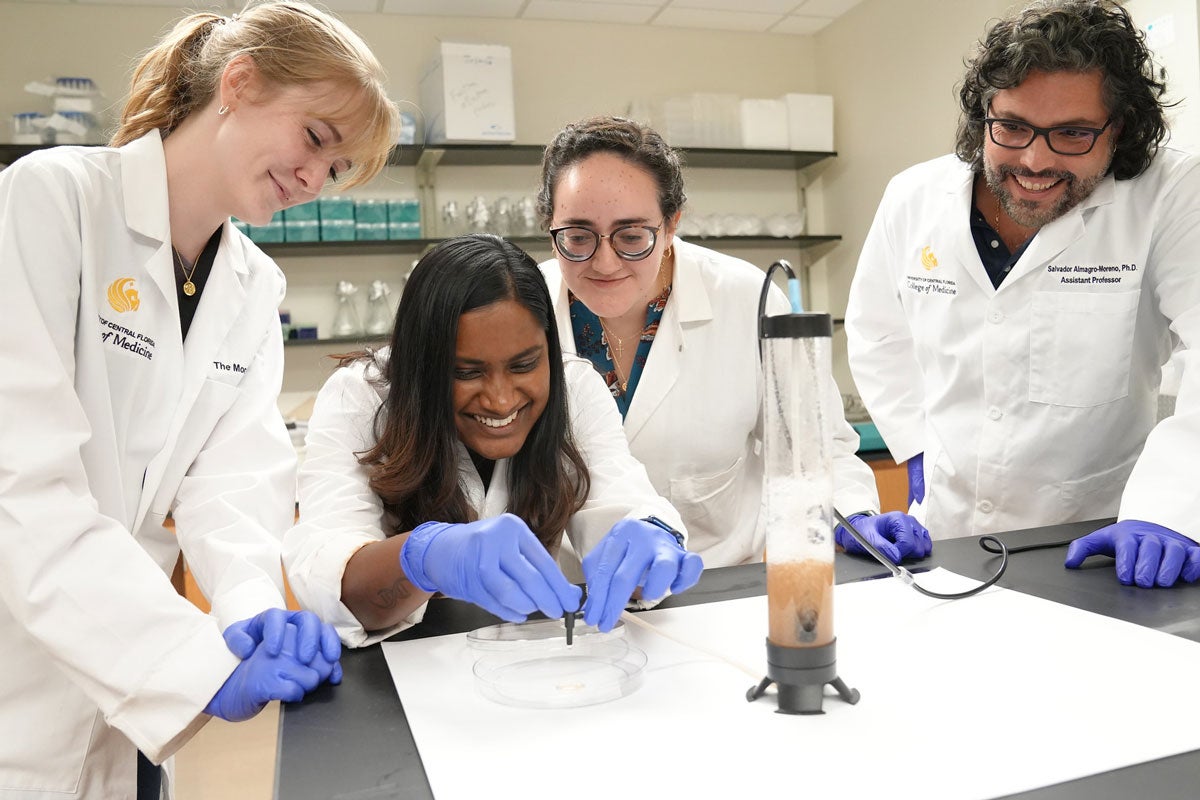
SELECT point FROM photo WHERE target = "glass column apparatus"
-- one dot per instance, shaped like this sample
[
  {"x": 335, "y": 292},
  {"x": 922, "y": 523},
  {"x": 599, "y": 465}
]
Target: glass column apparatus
[{"x": 799, "y": 410}]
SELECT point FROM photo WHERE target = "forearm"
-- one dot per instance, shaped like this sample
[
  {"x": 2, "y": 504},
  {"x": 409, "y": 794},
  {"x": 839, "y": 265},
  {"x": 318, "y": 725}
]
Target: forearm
[{"x": 375, "y": 588}]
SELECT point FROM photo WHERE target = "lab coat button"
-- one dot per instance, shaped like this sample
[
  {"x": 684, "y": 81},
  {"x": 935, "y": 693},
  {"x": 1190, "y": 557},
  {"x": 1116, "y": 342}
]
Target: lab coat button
[
  {"x": 995, "y": 413},
  {"x": 985, "y": 506},
  {"x": 995, "y": 316}
]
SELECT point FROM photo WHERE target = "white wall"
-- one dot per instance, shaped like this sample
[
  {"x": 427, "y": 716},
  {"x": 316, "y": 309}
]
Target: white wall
[
  {"x": 893, "y": 68},
  {"x": 891, "y": 65},
  {"x": 1173, "y": 29}
]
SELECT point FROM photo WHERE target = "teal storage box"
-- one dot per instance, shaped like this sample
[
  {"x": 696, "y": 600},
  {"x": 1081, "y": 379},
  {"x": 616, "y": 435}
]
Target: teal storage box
[
  {"x": 337, "y": 209},
  {"x": 370, "y": 231},
  {"x": 404, "y": 209},
  {"x": 371, "y": 212},
  {"x": 271, "y": 232},
  {"x": 404, "y": 230},
  {"x": 299, "y": 230},
  {"x": 305, "y": 212},
  {"x": 337, "y": 230},
  {"x": 868, "y": 437}
]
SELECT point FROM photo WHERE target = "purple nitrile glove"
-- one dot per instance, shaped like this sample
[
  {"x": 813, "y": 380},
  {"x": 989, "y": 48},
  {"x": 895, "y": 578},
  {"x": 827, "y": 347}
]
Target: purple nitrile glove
[
  {"x": 497, "y": 564},
  {"x": 897, "y": 535},
  {"x": 1147, "y": 554},
  {"x": 916, "y": 479},
  {"x": 264, "y": 676},
  {"x": 634, "y": 553}
]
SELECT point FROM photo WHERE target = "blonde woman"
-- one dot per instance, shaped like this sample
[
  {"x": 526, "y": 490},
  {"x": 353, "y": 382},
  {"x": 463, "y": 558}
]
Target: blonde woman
[{"x": 144, "y": 382}]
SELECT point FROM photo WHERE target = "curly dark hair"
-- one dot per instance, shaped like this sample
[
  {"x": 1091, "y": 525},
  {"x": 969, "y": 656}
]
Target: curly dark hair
[
  {"x": 1075, "y": 36},
  {"x": 638, "y": 144}
]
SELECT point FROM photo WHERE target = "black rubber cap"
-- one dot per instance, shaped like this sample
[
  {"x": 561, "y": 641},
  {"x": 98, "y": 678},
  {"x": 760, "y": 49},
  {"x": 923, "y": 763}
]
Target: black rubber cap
[{"x": 796, "y": 326}]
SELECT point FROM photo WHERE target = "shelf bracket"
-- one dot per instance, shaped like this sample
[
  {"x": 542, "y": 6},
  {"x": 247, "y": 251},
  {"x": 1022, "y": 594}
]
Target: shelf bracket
[{"x": 427, "y": 189}]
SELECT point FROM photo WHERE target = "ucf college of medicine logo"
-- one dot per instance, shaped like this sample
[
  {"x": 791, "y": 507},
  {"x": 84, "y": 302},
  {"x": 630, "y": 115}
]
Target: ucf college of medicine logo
[{"x": 122, "y": 296}]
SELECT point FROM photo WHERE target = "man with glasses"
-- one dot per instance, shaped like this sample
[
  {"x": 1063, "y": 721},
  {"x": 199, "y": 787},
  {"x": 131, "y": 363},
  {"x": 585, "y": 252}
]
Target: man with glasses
[{"x": 1014, "y": 303}]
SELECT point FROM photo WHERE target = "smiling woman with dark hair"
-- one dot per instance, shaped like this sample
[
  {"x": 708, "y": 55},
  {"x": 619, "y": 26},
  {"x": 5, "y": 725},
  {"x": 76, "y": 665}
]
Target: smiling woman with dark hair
[{"x": 454, "y": 460}]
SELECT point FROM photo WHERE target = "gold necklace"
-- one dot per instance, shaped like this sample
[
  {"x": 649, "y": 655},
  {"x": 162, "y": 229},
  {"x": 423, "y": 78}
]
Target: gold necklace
[
  {"x": 189, "y": 288},
  {"x": 609, "y": 336}
]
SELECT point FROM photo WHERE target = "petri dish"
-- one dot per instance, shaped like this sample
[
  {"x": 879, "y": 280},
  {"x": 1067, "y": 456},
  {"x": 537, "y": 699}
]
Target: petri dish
[
  {"x": 536, "y": 633},
  {"x": 549, "y": 674}
]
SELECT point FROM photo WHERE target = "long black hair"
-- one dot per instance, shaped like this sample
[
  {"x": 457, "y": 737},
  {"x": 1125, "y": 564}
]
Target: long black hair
[
  {"x": 1073, "y": 36},
  {"x": 414, "y": 463}
]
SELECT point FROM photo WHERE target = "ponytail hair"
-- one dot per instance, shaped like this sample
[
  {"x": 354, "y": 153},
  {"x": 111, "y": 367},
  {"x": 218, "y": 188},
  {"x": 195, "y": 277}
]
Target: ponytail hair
[{"x": 291, "y": 44}]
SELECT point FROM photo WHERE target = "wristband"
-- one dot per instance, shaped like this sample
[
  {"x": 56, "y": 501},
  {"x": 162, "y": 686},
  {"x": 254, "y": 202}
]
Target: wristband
[{"x": 658, "y": 523}]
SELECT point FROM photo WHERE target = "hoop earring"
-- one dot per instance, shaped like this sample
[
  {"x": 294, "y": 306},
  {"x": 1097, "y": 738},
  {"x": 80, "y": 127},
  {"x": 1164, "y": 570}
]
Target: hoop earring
[{"x": 222, "y": 111}]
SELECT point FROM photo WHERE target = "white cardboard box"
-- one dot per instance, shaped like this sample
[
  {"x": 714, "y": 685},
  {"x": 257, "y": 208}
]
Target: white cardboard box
[
  {"x": 810, "y": 122},
  {"x": 765, "y": 124},
  {"x": 467, "y": 94}
]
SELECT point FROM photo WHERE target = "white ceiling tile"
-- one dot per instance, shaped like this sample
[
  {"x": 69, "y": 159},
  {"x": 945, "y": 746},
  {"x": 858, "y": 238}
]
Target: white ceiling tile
[
  {"x": 504, "y": 9},
  {"x": 588, "y": 12},
  {"x": 715, "y": 20},
  {"x": 825, "y": 8},
  {"x": 753, "y": 6},
  {"x": 801, "y": 25}
]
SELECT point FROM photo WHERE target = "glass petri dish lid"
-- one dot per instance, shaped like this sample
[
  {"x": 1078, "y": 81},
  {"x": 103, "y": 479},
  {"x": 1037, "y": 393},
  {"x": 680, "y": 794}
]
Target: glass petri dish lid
[
  {"x": 549, "y": 674},
  {"x": 548, "y": 633}
]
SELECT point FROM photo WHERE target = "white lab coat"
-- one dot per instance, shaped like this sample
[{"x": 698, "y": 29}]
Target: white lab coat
[
  {"x": 695, "y": 420},
  {"x": 1032, "y": 402},
  {"x": 339, "y": 513},
  {"x": 107, "y": 423}
]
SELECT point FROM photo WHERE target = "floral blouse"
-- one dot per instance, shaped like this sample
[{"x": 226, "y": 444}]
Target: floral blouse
[{"x": 592, "y": 343}]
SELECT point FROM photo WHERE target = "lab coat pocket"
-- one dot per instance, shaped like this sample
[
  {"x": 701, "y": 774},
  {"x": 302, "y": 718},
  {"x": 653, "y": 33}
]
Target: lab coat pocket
[
  {"x": 1080, "y": 347},
  {"x": 707, "y": 501},
  {"x": 1097, "y": 495}
]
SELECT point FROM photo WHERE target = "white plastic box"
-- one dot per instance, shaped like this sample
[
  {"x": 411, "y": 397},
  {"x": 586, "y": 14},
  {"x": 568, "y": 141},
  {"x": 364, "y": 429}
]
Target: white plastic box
[
  {"x": 810, "y": 122},
  {"x": 467, "y": 94},
  {"x": 765, "y": 125}
]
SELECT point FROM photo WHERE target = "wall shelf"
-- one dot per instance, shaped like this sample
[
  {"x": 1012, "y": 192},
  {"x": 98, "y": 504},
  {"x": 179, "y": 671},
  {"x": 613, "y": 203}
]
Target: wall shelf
[
  {"x": 400, "y": 246},
  {"x": 503, "y": 155},
  {"x": 510, "y": 155}
]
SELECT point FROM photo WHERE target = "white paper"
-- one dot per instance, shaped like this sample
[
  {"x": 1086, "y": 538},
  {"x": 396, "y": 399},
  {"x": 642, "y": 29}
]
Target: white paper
[{"x": 975, "y": 698}]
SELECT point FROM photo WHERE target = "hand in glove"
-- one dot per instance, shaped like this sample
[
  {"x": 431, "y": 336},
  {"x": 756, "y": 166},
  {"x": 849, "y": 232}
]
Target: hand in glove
[
  {"x": 916, "y": 479},
  {"x": 1147, "y": 554},
  {"x": 898, "y": 536},
  {"x": 263, "y": 677},
  {"x": 268, "y": 627},
  {"x": 496, "y": 563},
  {"x": 634, "y": 553}
]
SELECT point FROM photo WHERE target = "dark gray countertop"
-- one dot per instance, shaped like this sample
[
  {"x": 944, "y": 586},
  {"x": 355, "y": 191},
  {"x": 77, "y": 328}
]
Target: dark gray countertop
[{"x": 352, "y": 742}]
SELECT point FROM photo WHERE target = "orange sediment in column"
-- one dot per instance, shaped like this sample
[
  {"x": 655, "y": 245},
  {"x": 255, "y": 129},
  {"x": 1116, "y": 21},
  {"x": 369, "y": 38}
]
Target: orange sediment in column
[{"x": 800, "y": 603}]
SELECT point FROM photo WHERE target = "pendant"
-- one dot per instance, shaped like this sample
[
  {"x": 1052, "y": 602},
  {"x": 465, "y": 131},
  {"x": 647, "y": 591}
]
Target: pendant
[{"x": 189, "y": 288}]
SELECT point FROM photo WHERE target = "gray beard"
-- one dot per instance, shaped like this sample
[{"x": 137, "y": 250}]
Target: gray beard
[{"x": 1029, "y": 214}]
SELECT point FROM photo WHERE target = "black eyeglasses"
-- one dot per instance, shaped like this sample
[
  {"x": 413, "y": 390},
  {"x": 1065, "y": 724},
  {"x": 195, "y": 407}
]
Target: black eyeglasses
[
  {"x": 1066, "y": 140},
  {"x": 629, "y": 242}
]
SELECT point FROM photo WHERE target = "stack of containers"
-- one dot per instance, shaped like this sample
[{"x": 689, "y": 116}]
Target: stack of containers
[
  {"x": 404, "y": 218},
  {"x": 370, "y": 219},
  {"x": 269, "y": 233},
  {"x": 341, "y": 219},
  {"x": 302, "y": 223},
  {"x": 337, "y": 218}
]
